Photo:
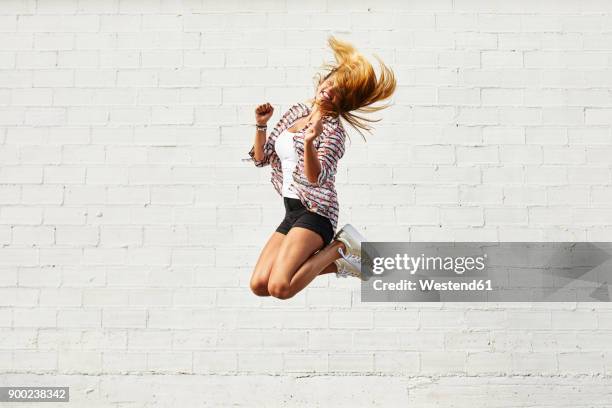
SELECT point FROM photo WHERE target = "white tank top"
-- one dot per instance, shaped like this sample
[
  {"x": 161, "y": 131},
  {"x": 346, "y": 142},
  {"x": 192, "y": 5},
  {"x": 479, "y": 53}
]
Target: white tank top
[{"x": 288, "y": 157}]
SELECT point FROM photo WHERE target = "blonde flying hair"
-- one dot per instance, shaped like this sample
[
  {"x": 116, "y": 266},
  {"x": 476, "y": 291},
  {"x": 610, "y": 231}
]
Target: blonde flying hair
[{"x": 356, "y": 86}]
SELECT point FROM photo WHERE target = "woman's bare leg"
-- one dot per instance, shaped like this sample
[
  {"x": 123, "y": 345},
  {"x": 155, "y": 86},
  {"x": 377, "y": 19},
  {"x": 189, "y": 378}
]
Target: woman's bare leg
[
  {"x": 331, "y": 268},
  {"x": 261, "y": 273},
  {"x": 297, "y": 265}
]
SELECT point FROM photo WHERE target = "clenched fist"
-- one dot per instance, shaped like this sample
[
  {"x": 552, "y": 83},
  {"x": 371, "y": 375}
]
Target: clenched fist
[{"x": 263, "y": 113}]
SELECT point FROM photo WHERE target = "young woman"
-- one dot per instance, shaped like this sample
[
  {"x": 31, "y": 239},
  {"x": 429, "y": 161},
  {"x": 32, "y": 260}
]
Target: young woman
[{"x": 303, "y": 150}]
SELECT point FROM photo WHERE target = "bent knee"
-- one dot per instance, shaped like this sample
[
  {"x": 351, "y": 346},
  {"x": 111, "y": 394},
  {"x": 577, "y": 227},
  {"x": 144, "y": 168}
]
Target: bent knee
[
  {"x": 259, "y": 286},
  {"x": 279, "y": 289}
]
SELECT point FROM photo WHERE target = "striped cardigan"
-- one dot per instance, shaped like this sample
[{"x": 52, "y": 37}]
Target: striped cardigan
[{"x": 319, "y": 197}]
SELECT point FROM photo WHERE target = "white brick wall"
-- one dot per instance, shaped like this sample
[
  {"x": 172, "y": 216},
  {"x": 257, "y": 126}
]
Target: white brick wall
[{"x": 129, "y": 225}]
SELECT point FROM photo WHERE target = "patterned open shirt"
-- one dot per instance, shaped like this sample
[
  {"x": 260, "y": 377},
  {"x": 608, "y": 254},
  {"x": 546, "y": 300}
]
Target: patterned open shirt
[{"x": 319, "y": 197}]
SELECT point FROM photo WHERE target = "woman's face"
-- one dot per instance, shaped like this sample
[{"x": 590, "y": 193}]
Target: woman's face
[{"x": 325, "y": 90}]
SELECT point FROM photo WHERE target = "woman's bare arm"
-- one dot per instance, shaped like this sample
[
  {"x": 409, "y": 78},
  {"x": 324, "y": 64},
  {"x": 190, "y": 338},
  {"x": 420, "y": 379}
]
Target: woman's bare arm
[
  {"x": 263, "y": 113},
  {"x": 321, "y": 162},
  {"x": 258, "y": 145},
  {"x": 312, "y": 165}
]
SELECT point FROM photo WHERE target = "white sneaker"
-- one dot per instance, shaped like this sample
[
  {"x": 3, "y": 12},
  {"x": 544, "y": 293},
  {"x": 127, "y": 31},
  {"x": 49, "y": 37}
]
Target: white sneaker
[
  {"x": 351, "y": 239},
  {"x": 348, "y": 265},
  {"x": 345, "y": 269}
]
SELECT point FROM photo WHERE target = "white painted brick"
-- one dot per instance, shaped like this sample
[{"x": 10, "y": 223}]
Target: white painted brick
[
  {"x": 593, "y": 340},
  {"x": 209, "y": 362},
  {"x": 418, "y": 215},
  {"x": 470, "y": 341},
  {"x": 539, "y": 23},
  {"x": 35, "y": 317},
  {"x": 485, "y": 319},
  {"x": 448, "y": 362},
  {"x": 549, "y": 175},
  {"x": 365, "y": 215},
  {"x": 437, "y": 319},
  {"x": 597, "y": 155},
  {"x": 363, "y": 174},
  {"x": 79, "y": 318},
  {"x": 298, "y": 319},
  {"x": 545, "y": 97},
  {"x": 550, "y": 216},
  {"x": 50, "y": 23},
  {"x": 19, "y": 338},
  {"x": 350, "y": 320},
  {"x": 149, "y": 340},
  {"x": 506, "y": 216},
  {"x": 517, "y": 195},
  {"x": 501, "y": 59},
  {"x": 11, "y": 194},
  {"x": 529, "y": 319},
  {"x": 479, "y": 363},
  {"x": 459, "y": 96},
  {"x": 44, "y": 361},
  {"x": 471, "y": 216},
  {"x": 499, "y": 22},
  {"x": 534, "y": 363},
  {"x": 594, "y": 116},
  {"x": 258, "y": 362},
  {"x": 79, "y": 361},
  {"x": 70, "y": 297},
  {"x": 455, "y": 22},
  {"x": 33, "y": 236},
  {"x": 523, "y": 154},
  {"x": 567, "y": 195},
  {"x": 520, "y": 234},
  {"x": 23, "y": 257},
  {"x": 557, "y": 341},
  {"x": 104, "y": 340},
  {"x": 477, "y": 155},
  {"x": 118, "y": 362},
  {"x": 415, "y": 58},
  {"x": 502, "y": 96},
  {"x": 174, "y": 318},
  {"x": 37, "y": 276},
  {"x": 563, "y": 116},
  {"x": 479, "y": 116},
  {"x": 19, "y": 297},
  {"x": 582, "y": 363},
  {"x": 459, "y": 58},
  {"x": 305, "y": 362},
  {"x": 27, "y": 175},
  {"x": 351, "y": 362},
  {"x": 480, "y": 194},
  {"x": 194, "y": 297},
  {"x": 53, "y": 339},
  {"x": 433, "y": 154},
  {"x": 396, "y": 363},
  {"x": 436, "y": 194},
  {"x": 169, "y": 362},
  {"x": 21, "y": 215},
  {"x": 427, "y": 134},
  {"x": 591, "y": 217},
  {"x": 6, "y": 318}
]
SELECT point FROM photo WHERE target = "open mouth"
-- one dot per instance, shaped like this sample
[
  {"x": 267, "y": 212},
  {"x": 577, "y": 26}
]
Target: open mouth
[{"x": 325, "y": 95}]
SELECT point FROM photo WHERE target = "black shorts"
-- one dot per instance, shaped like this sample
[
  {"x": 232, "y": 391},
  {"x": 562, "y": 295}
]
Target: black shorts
[{"x": 296, "y": 215}]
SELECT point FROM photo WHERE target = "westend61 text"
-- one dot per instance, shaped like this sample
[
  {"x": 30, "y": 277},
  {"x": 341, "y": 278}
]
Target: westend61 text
[{"x": 430, "y": 284}]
